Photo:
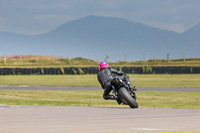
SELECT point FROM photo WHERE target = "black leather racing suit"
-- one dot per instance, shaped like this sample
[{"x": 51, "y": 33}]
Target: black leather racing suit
[{"x": 105, "y": 76}]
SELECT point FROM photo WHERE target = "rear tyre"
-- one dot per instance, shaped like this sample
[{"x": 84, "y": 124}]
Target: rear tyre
[{"x": 127, "y": 97}]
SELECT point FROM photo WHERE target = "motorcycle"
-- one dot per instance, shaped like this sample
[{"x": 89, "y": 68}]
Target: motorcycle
[{"x": 124, "y": 94}]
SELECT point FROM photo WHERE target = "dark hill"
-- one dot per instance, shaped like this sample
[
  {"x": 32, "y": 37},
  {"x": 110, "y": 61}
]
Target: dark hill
[{"x": 98, "y": 36}]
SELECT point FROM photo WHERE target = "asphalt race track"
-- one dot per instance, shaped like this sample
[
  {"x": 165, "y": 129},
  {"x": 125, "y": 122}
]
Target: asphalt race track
[
  {"x": 63, "y": 119},
  {"x": 93, "y": 88},
  {"x": 67, "y": 119}
]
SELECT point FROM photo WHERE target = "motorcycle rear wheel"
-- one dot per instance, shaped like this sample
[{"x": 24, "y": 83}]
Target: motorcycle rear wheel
[{"x": 127, "y": 97}]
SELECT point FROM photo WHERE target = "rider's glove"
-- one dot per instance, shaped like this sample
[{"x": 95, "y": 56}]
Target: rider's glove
[{"x": 120, "y": 73}]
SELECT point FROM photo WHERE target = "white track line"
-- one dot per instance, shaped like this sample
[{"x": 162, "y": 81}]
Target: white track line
[{"x": 153, "y": 129}]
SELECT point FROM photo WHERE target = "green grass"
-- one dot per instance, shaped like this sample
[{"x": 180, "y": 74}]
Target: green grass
[
  {"x": 179, "y": 132},
  {"x": 94, "y": 98},
  {"x": 32, "y": 61},
  {"x": 166, "y": 132},
  {"x": 151, "y": 80},
  {"x": 167, "y": 80}
]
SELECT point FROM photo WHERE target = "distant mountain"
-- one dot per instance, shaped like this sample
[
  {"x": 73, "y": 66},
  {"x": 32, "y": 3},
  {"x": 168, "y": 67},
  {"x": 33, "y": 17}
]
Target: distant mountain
[
  {"x": 193, "y": 35},
  {"x": 99, "y": 36}
]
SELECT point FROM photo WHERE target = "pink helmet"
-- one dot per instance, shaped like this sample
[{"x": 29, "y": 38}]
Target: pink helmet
[{"x": 102, "y": 64}]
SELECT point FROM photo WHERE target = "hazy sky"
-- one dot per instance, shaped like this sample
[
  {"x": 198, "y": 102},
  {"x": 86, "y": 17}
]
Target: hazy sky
[{"x": 40, "y": 16}]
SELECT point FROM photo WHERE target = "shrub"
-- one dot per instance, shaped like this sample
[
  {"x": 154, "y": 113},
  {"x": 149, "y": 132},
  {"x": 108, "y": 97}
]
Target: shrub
[
  {"x": 133, "y": 71},
  {"x": 120, "y": 69},
  {"x": 80, "y": 71},
  {"x": 62, "y": 70},
  {"x": 191, "y": 70},
  {"x": 42, "y": 71},
  {"x": 64, "y": 60},
  {"x": 74, "y": 71},
  {"x": 148, "y": 69},
  {"x": 13, "y": 72},
  {"x": 143, "y": 69}
]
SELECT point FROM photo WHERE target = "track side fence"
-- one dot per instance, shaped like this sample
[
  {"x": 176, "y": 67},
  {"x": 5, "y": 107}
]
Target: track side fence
[{"x": 94, "y": 70}]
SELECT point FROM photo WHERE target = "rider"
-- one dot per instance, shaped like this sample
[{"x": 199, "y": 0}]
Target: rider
[{"x": 105, "y": 76}]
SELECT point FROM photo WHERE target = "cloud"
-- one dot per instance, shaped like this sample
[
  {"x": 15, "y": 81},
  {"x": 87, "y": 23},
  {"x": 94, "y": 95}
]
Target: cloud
[
  {"x": 27, "y": 16},
  {"x": 51, "y": 7},
  {"x": 178, "y": 28}
]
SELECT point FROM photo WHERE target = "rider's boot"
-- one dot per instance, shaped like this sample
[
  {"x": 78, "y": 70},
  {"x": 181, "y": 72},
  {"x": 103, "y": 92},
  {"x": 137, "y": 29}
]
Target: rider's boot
[
  {"x": 118, "y": 100},
  {"x": 109, "y": 97}
]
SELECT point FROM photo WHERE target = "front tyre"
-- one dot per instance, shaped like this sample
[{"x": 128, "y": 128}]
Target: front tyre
[{"x": 127, "y": 97}]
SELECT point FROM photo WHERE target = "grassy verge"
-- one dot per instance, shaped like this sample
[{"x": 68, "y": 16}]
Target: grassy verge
[
  {"x": 94, "y": 98},
  {"x": 29, "y": 61},
  {"x": 167, "y": 132},
  {"x": 179, "y": 132},
  {"x": 151, "y": 80}
]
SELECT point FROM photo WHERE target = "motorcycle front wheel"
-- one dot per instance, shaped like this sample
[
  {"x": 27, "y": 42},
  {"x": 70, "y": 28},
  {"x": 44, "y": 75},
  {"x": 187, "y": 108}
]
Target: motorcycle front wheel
[{"x": 127, "y": 97}]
